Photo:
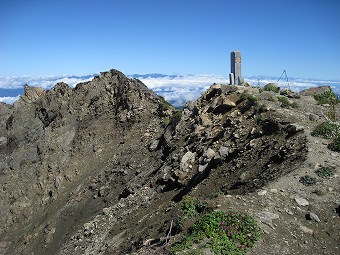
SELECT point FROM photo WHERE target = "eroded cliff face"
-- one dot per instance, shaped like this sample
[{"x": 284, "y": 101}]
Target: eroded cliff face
[{"x": 98, "y": 169}]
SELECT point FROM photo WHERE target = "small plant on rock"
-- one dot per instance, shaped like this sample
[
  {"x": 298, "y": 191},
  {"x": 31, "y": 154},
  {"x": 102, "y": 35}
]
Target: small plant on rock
[
  {"x": 335, "y": 144},
  {"x": 165, "y": 105},
  {"x": 176, "y": 117},
  {"x": 191, "y": 207},
  {"x": 325, "y": 172},
  {"x": 259, "y": 119},
  {"x": 271, "y": 87},
  {"x": 188, "y": 206},
  {"x": 286, "y": 103},
  {"x": 249, "y": 97},
  {"x": 327, "y": 97},
  {"x": 307, "y": 180},
  {"x": 330, "y": 98},
  {"x": 327, "y": 130}
]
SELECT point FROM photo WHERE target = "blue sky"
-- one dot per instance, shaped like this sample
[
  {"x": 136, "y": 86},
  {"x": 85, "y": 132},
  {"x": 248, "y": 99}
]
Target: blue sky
[{"x": 40, "y": 37}]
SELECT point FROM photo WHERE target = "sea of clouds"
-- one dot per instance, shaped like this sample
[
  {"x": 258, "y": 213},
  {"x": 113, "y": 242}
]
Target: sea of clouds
[{"x": 177, "y": 89}]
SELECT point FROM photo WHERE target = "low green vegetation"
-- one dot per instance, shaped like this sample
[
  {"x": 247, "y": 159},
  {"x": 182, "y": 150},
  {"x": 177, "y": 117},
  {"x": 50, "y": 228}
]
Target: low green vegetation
[
  {"x": 219, "y": 232},
  {"x": 330, "y": 98},
  {"x": 335, "y": 144},
  {"x": 270, "y": 87},
  {"x": 246, "y": 96},
  {"x": 188, "y": 206},
  {"x": 165, "y": 105},
  {"x": 165, "y": 121},
  {"x": 259, "y": 119},
  {"x": 325, "y": 172},
  {"x": 286, "y": 103},
  {"x": 308, "y": 180},
  {"x": 216, "y": 194},
  {"x": 327, "y": 130},
  {"x": 176, "y": 117},
  {"x": 327, "y": 97}
]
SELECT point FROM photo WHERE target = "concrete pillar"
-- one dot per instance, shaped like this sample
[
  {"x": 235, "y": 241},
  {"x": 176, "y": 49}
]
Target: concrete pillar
[
  {"x": 235, "y": 59},
  {"x": 231, "y": 79}
]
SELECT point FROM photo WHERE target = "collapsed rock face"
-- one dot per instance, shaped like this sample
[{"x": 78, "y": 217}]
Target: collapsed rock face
[
  {"x": 95, "y": 169},
  {"x": 238, "y": 145}
]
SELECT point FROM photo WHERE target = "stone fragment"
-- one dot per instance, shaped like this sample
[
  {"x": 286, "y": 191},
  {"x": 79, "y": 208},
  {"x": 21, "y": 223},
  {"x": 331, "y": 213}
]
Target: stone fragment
[
  {"x": 106, "y": 210},
  {"x": 273, "y": 190},
  {"x": 213, "y": 91},
  {"x": 3, "y": 140},
  {"x": 306, "y": 230},
  {"x": 201, "y": 168},
  {"x": 296, "y": 128},
  {"x": 223, "y": 104},
  {"x": 206, "y": 121},
  {"x": 210, "y": 153},
  {"x": 262, "y": 192},
  {"x": 267, "y": 218},
  {"x": 313, "y": 216},
  {"x": 288, "y": 93},
  {"x": 313, "y": 117},
  {"x": 301, "y": 201},
  {"x": 186, "y": 161},
  {"x": 223, "y": 151},
  {"x": 154, "y": 145}
]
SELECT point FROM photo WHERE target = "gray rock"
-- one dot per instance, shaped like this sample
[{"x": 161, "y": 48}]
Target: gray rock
[
  {"x": 3, "y": 140},
  {"x": 213, "y": 91},
  {"x": 296, "y": 128},
  {"x": 313, "y": 117},
  {"x": 314, "y": 91},
  {"x": 154, "y": 145},
  {"x": 223, "y": 151},
  {"x": 262, "y": 192},
  {"x": 186, "y": 161},
  {"x": 106, "y": 211},
  {"x": 313, "y": 216},
  {"x": 267, "y": 218},
  {"x": 301, "y": 201},
  {"x": 201, "y": 168},
  {"x": 288, "y": 93},
  {"x": 210, "y": 153},
  {"x": 306, "y": 230}
]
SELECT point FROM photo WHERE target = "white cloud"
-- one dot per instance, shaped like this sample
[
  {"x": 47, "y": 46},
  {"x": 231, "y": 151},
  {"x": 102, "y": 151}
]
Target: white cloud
[
  {"x": 181, "y": 88},
  {"x": 46, "y": 82},
  {"x": 183, "y": 81},
  {"x": 9, "y": 100}
]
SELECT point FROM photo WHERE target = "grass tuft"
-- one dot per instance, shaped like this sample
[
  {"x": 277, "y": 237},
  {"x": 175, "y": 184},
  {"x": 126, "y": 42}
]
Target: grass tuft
[
  {"x": 327, "y": 130},
  {"x": 335, "y": 144},
  {"x": 325, "y": 172},
  {"x": 220, "y": 232}
]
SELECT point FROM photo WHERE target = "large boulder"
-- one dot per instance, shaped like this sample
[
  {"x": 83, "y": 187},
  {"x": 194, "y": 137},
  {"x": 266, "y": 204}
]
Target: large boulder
[{"x": 314, "y": 91}]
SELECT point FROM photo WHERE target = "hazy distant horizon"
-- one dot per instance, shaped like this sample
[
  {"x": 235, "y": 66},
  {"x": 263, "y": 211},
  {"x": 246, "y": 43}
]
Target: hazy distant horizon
[{"x": 177, "y": 89}]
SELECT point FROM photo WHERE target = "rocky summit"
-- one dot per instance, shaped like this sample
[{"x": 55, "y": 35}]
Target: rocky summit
[{"x": 101, "y": 168}]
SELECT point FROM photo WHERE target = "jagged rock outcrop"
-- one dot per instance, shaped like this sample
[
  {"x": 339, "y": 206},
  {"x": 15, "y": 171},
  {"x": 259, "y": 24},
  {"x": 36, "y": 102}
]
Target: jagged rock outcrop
[
  {"x": 97, "y": 169},
  {"x": 314, "y": 91}
]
